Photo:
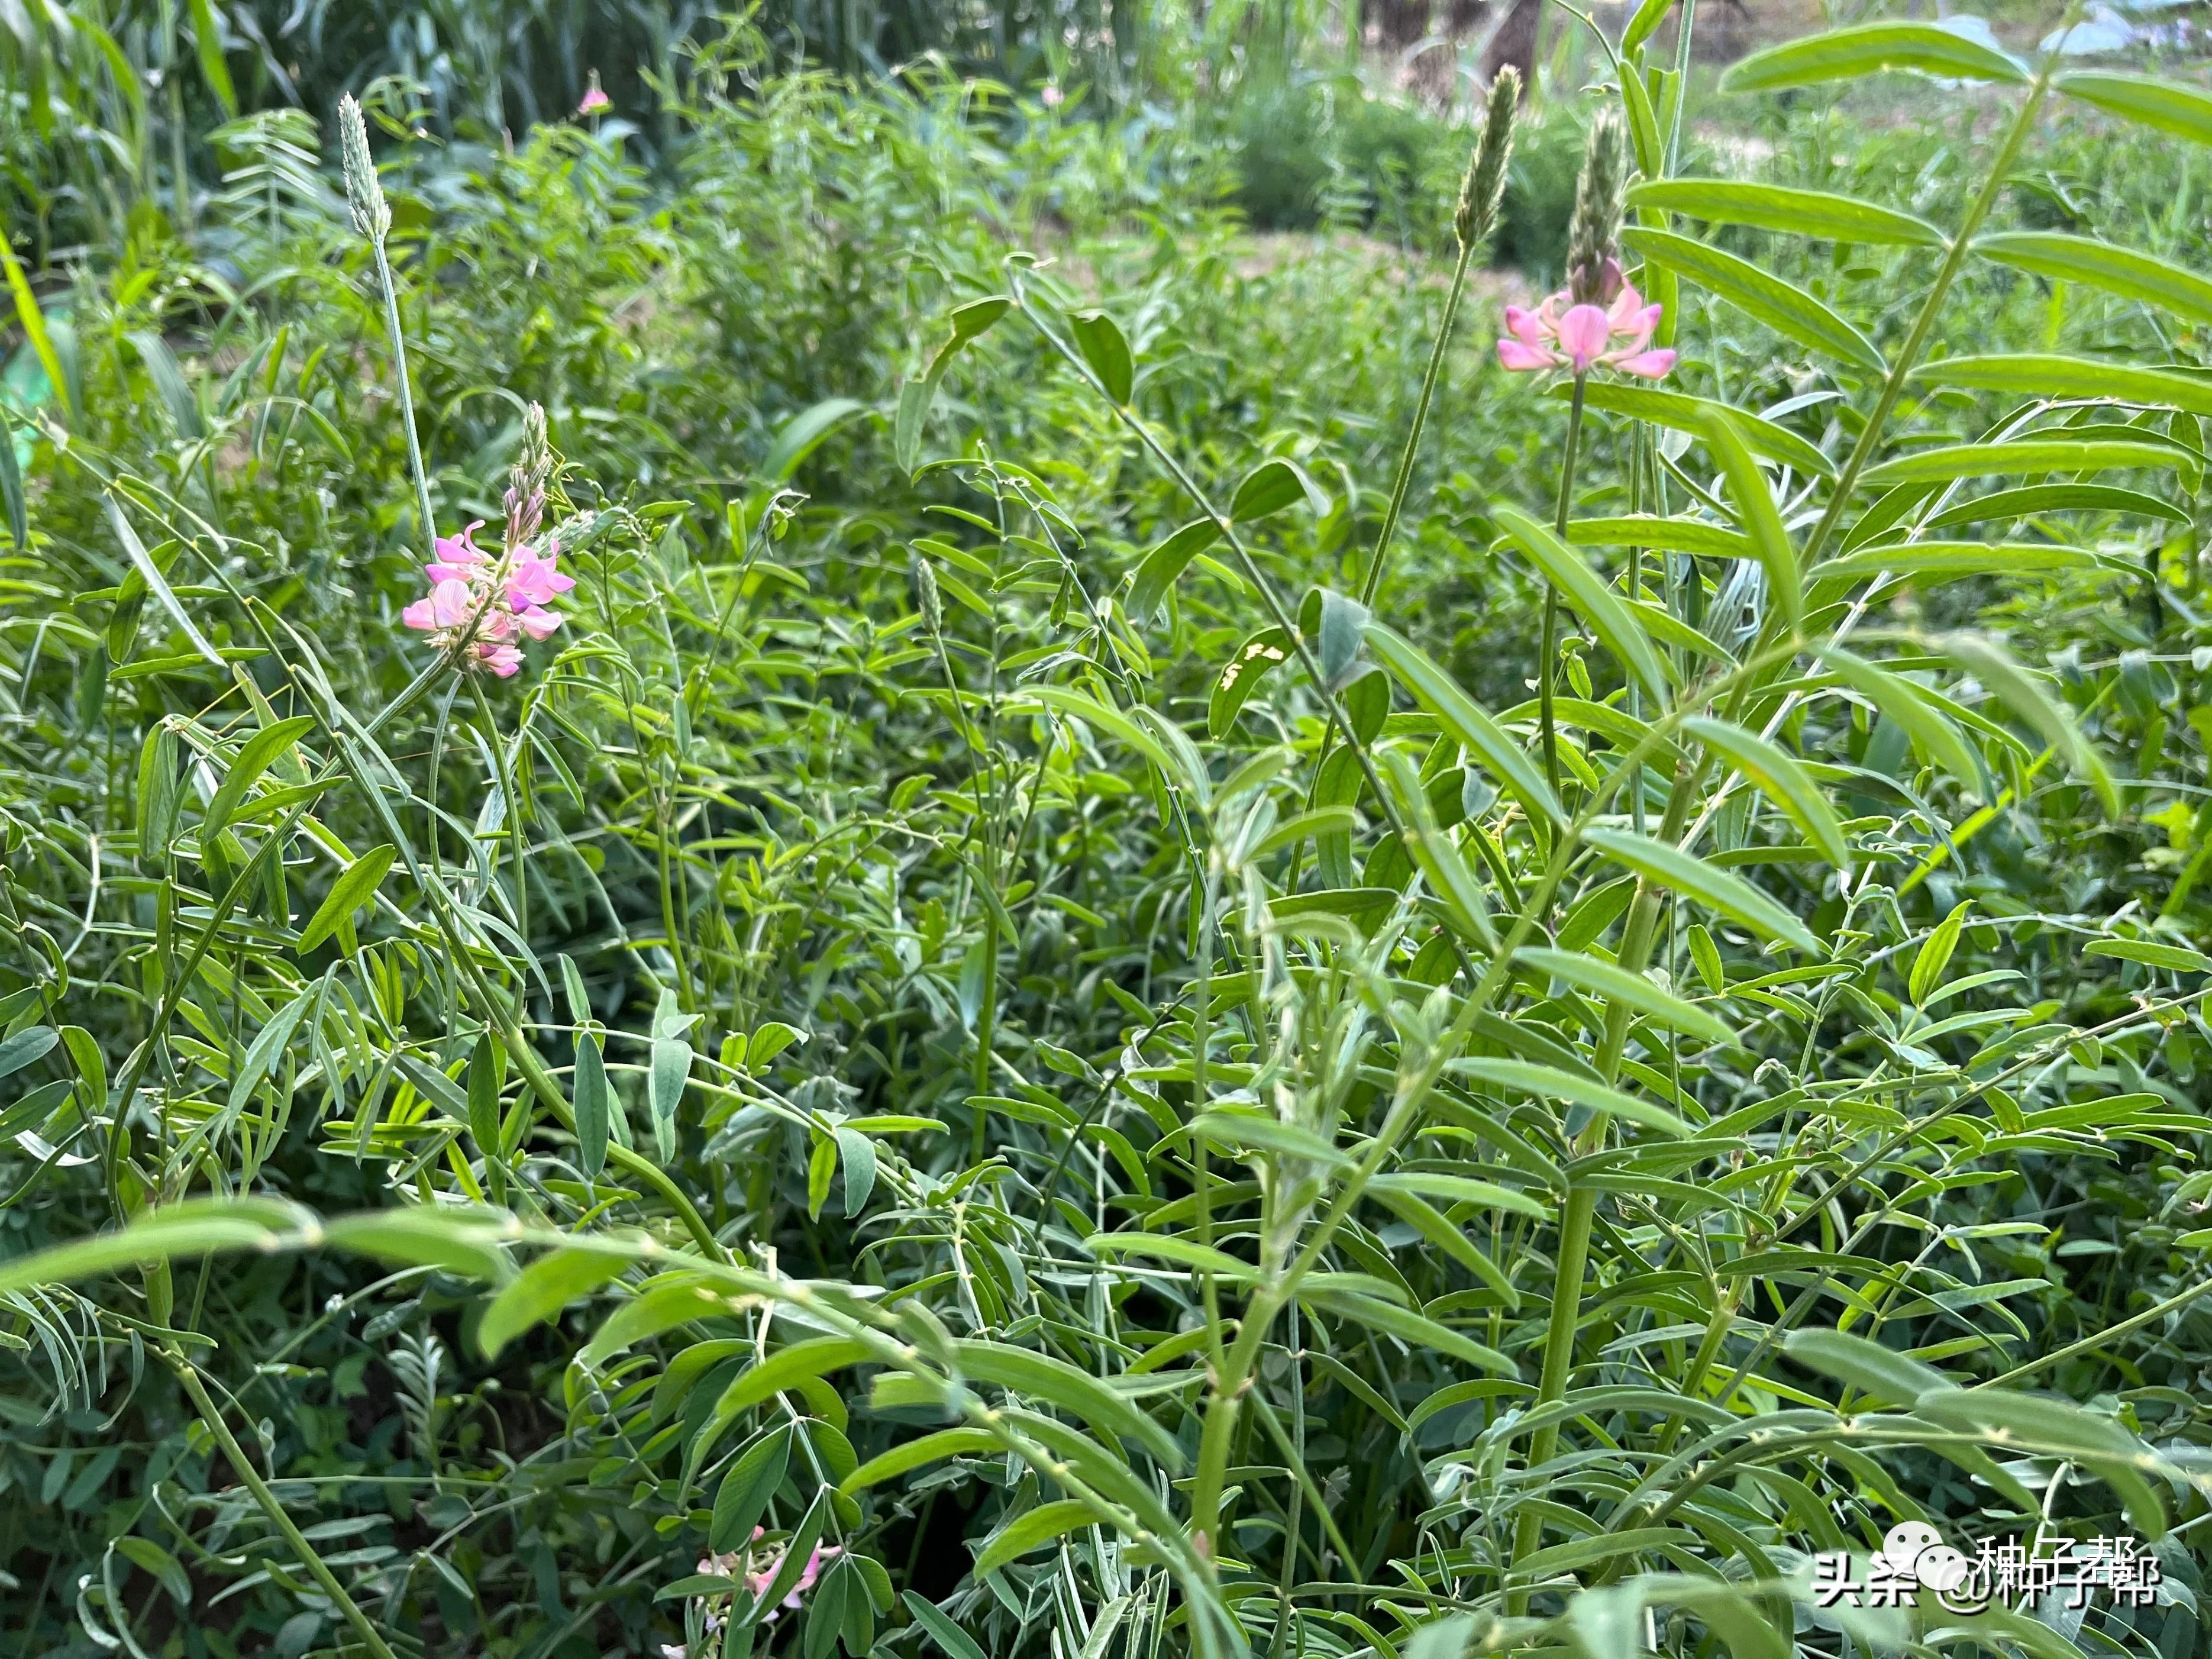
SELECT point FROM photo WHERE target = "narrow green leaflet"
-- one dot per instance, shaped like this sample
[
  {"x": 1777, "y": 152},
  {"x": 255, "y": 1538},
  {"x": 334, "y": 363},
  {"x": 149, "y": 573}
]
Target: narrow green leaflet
[
  {"x": 1439, "y": 693},
  {"x": 2027, "y": 501},
  {"x": 2184, "y": 110},
  {"x": 540, "y": 1291},
  {"x": 1438, "y": 855},
  {"x": 11, "y": 491},
  {"x": 1165, "y": 564},
  {"x": 352, "y": 889},
  {"x": 1872, "y": 1369},
  {"x": 954, "y": 1641},
  {"x": 1240, "y": 677},
  {"x": 2034, "y": 706},
  {"x": 2021, "y": 455},
  {"x": 1416, "y": 1330},
  {"x": 26, "y": 1047},
  {"x": 2120, "y": 270},
  {"x": 483, "y": 1091},
  {"x": 1846, "y": 54},
  {"x": 744, "y": 1493},
  {"x": 156, "y": 583},
  {"x": 913, "y": 1453},
  {"x": 1597, "y": 603},
  {"x": 1780, "y": 207},
  {"x": 1645, "y": 23},
  {"x": 2043, "y": 375},
  {"x": 1465, "y": 1189},
  {"x": 969, "y": 321},
  {"x": 1172, "y": 1247},
  {"x": 207, "y": 42},
  {"x": 1898, "y": 699},
  {"x": 2150, "y": 951},
  {"x": 1612, "y": 981},
  {"x": 671, "y": 1071},
  {"x": 1092, "y": 712},
  {"x": 1949, "y": 561},
  {"x": 592, "y": 1104},
  {"x": 786, "y": 1368},
  {"x": 1755, "y": 509},
  {"x": 1693, "y": 878},
  {"x": 1053, "y": 1380},
  {"x": 1788, "y": 311},
  {"x": 1099, "y": 337},
  {"x": 1273, "y": 485},
  {"x": 1029, "y": 1530},
  {"x": 1684, "y": 413},
  {"x": 254, "y": 757},
  {"x": 33, "y": 323},
  {"x": 1781, "y": 777},
  {"x": 1935, "y": 953},
  {"x": 261, "y": 1058},
  {"x": 191, "y": 1227},
  {"x": 1669, "y": 535},
  {"x": 1551, "y": 1083}
]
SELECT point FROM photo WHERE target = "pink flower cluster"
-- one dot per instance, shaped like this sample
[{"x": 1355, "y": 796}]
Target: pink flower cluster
[
  {"x": 1561, "y": 334},
  {"x": 758, "y": 1568},
  {"x": 477, "y": 606}
]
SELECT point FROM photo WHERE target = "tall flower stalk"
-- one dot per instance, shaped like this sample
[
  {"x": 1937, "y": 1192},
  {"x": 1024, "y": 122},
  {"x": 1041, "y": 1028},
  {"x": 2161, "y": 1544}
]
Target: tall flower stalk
[
  {"x": 1473, "y": 220},
  {"x": 1597, "y": 321},
  {"x": 372, "y": 217}
]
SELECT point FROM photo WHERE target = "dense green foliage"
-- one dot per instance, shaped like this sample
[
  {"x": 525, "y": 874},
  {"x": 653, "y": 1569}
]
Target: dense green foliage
[{"x": 973, "y": 1004}]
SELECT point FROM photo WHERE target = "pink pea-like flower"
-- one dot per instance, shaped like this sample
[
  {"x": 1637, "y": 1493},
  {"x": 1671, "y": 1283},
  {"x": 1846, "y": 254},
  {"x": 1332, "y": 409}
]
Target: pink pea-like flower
[
  {"x": 478, "y": 605},
  {"x": 1559, "y": 334},
  {"x": 594, "y": 99},
  {"x": 533, "y": 580},
  {"x": 457, "y": 555}
]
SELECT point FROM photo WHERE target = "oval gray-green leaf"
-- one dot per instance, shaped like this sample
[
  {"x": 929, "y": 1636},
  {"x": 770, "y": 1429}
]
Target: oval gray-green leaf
[
  {"x": 2185, "y": 111},
  {"x": 2120, "y": 270},
  {"x": 1684, "y": 413},
  {"x": 1105, "y": 349},
  {"x": 1272, "y": 486},
  {"x": 1780, "y": 207},
  {"x": 1846, "y": 54},
  {"x": 1164, "y": 565},
  {"x": 1788, "y": 311},
  {"x": 1693, "y": 878},
  {"x": 2045, "y": 374},
  {"x": 2025, "y": 455}
]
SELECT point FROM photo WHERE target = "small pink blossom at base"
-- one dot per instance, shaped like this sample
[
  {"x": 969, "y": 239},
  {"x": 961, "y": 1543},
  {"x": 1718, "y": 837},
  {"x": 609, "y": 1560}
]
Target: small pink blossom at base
[
  {"x": 1052, "y": 97},
  {"x": 1558, "y": 334},
  {"x": 594, "y": 102}
]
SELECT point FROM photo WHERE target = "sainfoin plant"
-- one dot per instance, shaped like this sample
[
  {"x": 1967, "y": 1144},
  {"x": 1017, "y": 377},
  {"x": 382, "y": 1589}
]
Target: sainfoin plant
[{"x": 1509, "y": 1196}]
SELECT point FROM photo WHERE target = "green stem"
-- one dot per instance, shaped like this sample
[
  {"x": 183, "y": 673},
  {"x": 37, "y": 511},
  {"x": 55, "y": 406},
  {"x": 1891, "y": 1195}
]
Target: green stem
[
  {"x": 317, "y": 1568},
  {"x": 1371, "y": 584},
  {"x": 1581, "y": 1209},
  {"x": 986, "y": 1016},
  {"x": 1547, "y": 653},
  {"x": 406, "y": 395}
]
